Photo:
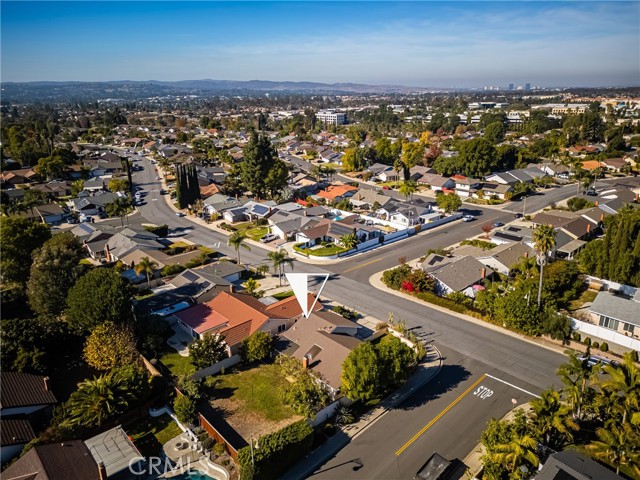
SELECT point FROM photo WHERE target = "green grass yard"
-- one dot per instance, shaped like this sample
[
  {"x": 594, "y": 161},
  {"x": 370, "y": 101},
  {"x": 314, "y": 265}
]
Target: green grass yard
[
  {"x": 283, "y": 295},
  {"x": 177, "y": 364},
  {"x": 149, "y": 434},
  {"x": 586, "y": 297},
  {"x": 322, "y": 251}
]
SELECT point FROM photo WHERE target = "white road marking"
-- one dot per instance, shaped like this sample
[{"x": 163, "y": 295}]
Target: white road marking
[
  {"x": 512, "y": 385},
  {"x": 154, "y": 199},
  {"x": 483, "y": 392}
]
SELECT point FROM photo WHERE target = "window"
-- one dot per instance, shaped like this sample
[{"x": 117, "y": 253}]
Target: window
[
  {"x": 609, "y": 323},
  {"x": 282, "y": 328},
  {"x": 628, "y": 327}
]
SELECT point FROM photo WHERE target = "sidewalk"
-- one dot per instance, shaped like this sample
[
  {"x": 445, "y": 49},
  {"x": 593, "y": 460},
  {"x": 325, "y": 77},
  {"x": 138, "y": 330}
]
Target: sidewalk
[{"x": 425, "y": 371}]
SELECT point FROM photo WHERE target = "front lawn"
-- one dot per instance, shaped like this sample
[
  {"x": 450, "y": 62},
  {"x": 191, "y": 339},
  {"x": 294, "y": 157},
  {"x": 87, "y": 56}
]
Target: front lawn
[
  {"x": 178, "y": 364},
  {"x": 325, "y": 251},
  {"x": 256, "y": 233},
  {"x": 257, "y": 391},
  {"x": 283, "y": 295},
  {"x": 149, "y": 434}
]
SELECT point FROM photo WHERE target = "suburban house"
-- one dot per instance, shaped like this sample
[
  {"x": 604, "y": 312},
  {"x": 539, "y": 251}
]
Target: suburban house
[
  {"x": 614, "y": 164},
  {"x": 286, "y": 229},
  {"x": 556, "y": 170},
  {"x": 68, "y": 460},
  {"x": 499, "y": 190},
  {"x": 465, "y": 186},
  {"x": 115, "y": 454},
  {"x": 617, "y": 312},
  {"x": 19, "y": 177},
  {"x": 573, "y": 465},
  {"x": 236, "y": 316},
  {"x": 218, "y": 203},
  {"x": 322, "y": 343},
  {"x": 335, "y": 193},
  {"x": 332, "y": 231},
  {"x": 458, "y": 274},
  {"x": 51, "y": 213},
  {"x": 511, "y": 177},
  {"x": 572, "y": 230},
  {"x": 503, "y": 257},
  {"x": 54, "y": 188},
  {"x": 26, "y": 401},
  {"x": 367, "y": 199},
  {"x": 436, "y": 182}
]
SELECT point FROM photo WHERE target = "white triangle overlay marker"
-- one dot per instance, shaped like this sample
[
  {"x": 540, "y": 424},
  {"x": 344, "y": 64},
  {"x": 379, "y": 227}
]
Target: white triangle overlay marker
[{"x": 300, "y": 285}]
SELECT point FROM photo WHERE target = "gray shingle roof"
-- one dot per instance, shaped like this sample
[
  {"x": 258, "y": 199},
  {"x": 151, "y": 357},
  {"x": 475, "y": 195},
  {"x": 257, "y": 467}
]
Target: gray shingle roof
[
  {"x": 573, "y": 465},
  {"x": 616, "y": 306},
  {"x": 459, "y": 273},
  {"x": 24, "y": 389}
]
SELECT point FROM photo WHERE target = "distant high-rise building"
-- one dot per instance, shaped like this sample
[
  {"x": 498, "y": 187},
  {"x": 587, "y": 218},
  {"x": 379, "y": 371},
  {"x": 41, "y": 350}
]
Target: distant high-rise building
[
  {"x": 527, "y": 86},
  {"x": 511, "y": 86},
  {"x": 332, "y": 117}
]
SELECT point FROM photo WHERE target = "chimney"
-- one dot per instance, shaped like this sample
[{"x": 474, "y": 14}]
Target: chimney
[
  {"x": 305, "y": 213},
  {"x": 526, "y": 254},
  {"x": 602, "y": 217},
  {"x": 305, "y": 362},
  {"x": 484, "y": 273},
  {"x": 588, "y": 227},
  {"x": 102, "y": 471},
  {"x": 47, "y": 386},
  {"x": 107, "y": 253},
  {"x": 232, "y": 288},
  {"x": 597, "y": 203}
]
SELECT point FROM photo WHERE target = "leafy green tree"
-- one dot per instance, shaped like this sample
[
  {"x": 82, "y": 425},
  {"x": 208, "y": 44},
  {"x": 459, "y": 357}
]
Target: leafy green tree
[
  {"x": 349, "y": 240},
  {"x": 256, "y": 347},
  {"x": 395, "y": 359},
  {"x": 617, "y": 446},
  {"x": 578, "y": 203},
  {"x": 146, "y": 266},
  {"x": 514, "y": 309},
  {"x": 354, "y": 160},
  {"x": 51, "y": 167},
  {"x": 624, "y": 381},
  {"x": 519, "y": 451},
  {"x": 98, "y": 400},
  {"x": 408, "y": 188},
  {"x": 55, "y": 269},
  {"x": 477, "y": 157},
  {"x": 259, "y": 158},
  {"x": 185, "y": 409},
  {"x": 76, "y": 187},
  {"x": 387, "y": 152},
  {"x": 449, "y": 202},
  {"x": 280, "y": 259},
  {"x": 19, "y": 237},
  {"x": 552, "y": 421},
  {"x": 544, "y": 241},
  {"x": 118, "y": 185},
  {"x": 109, "y": 346},
  {"x": 207, "y": 351},
  {"x": 99, "y": 296},
  {"x": 577, "y": 375},
  {"x": 495, "y": 132},
  {"x": 118, "y": 208},
  {"x": 236, "y": 240},
  {"x": 393, "y": 278},
  {"x": 412, "y": 155},
  {"x": 251, "y": 286},
  {"x": 361, "y": 373},
  {"x": 277, "y": 178},
  {"x": 307, "y": 395}
]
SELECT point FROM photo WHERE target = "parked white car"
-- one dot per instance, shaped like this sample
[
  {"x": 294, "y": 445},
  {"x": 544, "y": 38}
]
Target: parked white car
[
  {"x": 468, "y": 218},
  {"x": 270, "y": 237}
]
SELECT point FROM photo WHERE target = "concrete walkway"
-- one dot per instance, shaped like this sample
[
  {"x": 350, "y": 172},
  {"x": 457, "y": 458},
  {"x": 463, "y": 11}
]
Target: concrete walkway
[{"x": 425, "y": 371}]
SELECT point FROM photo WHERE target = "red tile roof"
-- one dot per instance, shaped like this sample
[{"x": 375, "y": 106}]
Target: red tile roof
[{"x": 334, "y": 191}]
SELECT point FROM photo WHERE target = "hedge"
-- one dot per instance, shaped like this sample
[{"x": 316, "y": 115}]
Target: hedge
[
  {"x": 442, "y": 302},
  {"x": 277, "y": 452}
]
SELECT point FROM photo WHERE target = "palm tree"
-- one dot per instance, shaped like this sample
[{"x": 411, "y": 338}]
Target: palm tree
[
  {"x": 349, "y": 240},
  {"x": 408, "y": 188},
  {"x": 237, "y": 240},
  {"x": 576, "y": 375},
  {"x": 544, "y": 240},
  {"x": 118, "y": 208},
  {"x": 97, "y": 400},
  {"x": 147, "y": 266},
  {"x": 551, "y": 420},
  {"x": 624, "y": 380},
  {"x": 518, "y": 451},
  {"x": 615, "y": 446},
  {"x": 279, "y": 259}
]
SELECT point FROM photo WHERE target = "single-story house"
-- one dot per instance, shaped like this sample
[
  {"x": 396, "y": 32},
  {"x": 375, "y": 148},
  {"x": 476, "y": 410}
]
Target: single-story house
[
  {"x": 219, "y": 203},
  {"x": 50, "y": 213},
  {"x": 511, "y": 234},
  {"x": 322, "y": 343},
  {"x": 617, "y": 312},
  {"x": 366, "y": 199},
  {"x": 68, "y": 460},
  {"x": 436, "y": 182},
  {"x": 460, "y": 274},
  {"x": 503, "y": 257},
  {"x": 287, "y": 229},
  {"x": 335, "y": 193},
  {"x": 54, "y": 189},
  {"x": 573, "y": 465},
  {"x": 614, "y": 164},
  {"x": 511, "y": 177}
]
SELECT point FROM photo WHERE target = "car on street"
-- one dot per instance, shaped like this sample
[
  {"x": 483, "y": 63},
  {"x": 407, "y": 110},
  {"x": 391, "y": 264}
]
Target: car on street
[
  {"x": 270, "y": 237},
  {"x": 179, "y": 214},
  {"x": 594, "y": 360},
  {"x": 590, "y": 193},
  {"x": 519, "y": 215},
  {"x": 468, "y": 218},
  {"x": 163, "y": 191},
  {"x": 158, "y": 178},
  {"x": 497, "y": 224}
]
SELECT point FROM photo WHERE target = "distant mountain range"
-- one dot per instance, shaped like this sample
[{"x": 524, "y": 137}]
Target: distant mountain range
[{"x": 129, "y": 90}]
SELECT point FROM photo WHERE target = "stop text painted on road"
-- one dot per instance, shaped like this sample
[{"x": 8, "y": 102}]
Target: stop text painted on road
[{"x": 483, "y": 392}]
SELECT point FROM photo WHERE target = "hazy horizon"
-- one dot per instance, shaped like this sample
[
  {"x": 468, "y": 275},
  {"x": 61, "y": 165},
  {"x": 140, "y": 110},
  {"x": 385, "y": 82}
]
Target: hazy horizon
[{"x": 412, "y": 44}]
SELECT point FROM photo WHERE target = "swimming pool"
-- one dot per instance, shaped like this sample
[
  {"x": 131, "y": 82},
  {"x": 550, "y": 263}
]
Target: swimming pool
[{"x": 193, "y": 475}]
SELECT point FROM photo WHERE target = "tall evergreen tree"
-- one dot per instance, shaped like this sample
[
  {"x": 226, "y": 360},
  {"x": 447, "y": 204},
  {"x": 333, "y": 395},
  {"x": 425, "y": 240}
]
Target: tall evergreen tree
[{"x": 259, "y": 159}]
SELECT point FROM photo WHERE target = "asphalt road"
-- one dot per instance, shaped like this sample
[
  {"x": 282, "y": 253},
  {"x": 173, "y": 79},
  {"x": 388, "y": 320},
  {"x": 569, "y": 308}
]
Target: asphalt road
[{"x": 446, "y": 416}]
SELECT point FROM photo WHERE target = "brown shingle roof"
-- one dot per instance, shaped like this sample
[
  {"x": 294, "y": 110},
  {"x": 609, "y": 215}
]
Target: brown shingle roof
[
  {"x": 24, "y": 389},
  {"x": 15, "y": 432},
  {"x": 57, "y": 461}
]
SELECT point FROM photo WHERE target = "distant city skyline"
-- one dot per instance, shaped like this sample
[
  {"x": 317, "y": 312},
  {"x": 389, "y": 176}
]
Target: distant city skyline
[{"x": 416, "y": 44}]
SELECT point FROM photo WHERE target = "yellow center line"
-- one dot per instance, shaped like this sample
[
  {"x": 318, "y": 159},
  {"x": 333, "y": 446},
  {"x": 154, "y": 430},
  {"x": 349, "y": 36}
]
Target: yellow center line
[
  {"x": 439, "y": 416},
  {"x": 363, "y": 265}
]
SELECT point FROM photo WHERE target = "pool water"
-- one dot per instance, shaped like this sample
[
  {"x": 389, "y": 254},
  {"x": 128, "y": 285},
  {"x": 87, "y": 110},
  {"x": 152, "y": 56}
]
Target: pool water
[{"x": 193, "y": 475}]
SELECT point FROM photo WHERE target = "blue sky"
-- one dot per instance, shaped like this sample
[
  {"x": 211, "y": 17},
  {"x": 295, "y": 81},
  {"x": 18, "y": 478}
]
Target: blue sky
[{"x": 440, "y": 44}]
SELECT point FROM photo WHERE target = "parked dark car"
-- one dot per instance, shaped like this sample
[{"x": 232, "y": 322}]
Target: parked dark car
[
  {"x": 591, "y": 193},
  {"x": 519, "y": 215}
]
